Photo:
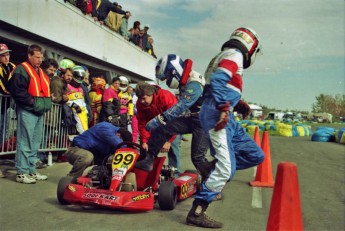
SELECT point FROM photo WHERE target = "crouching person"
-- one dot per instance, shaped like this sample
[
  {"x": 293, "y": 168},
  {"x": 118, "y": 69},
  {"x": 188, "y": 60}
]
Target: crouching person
[{"x": 93, "y": 145}]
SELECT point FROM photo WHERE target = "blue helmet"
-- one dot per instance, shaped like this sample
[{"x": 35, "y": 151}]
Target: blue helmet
[{"x": 170, "y": 68}]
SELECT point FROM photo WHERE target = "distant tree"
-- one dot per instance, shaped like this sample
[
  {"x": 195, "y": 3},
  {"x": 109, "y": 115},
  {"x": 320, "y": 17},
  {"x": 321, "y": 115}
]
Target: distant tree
[{"x": 328, "y": 103}]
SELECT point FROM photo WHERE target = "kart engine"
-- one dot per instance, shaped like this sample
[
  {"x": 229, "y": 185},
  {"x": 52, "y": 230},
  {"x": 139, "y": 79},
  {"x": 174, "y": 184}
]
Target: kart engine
[
  {"x": 167, "y": 173},
  {"x": 100, "y": 177}
]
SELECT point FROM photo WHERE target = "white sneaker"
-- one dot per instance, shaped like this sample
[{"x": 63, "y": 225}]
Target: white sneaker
[
  {"x": 38, "y": 176},
  {"x": 25, "y": 179}
]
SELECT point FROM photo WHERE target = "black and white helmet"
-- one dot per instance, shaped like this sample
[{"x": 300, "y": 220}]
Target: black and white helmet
[
  {"x": 248, "y": 42},
  {"x": 124, "y": 83}
]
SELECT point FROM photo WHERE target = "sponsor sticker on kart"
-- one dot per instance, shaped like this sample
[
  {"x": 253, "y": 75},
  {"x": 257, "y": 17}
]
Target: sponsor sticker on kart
[
  {"x": 184, "y": 178},
  {"x": 100, "y": 196},
  {"x": 71, "y": 188},
  {"x": 118, "y": 174},
  {"x": 141, "y": 197}
]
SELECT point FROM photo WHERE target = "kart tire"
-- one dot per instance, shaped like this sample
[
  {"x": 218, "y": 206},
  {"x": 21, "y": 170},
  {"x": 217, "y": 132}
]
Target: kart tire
[
  {"x": 130, "y": 183},
  {"x": 198, "y": 180},
  {"x": 167, "y": 195},
  {"x": 64, "y": 181}
]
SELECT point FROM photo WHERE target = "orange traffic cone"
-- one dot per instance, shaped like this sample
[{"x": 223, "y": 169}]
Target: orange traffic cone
[
  {"x": 264, "y": 176},
  {"x": 257, "y": 136},
  {"x": 285, "y": 212}
]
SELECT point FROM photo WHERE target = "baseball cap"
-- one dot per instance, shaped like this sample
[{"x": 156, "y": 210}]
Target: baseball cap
[
  {"x": 147, "y": 25},
  {"x": 3, "y": 48}
]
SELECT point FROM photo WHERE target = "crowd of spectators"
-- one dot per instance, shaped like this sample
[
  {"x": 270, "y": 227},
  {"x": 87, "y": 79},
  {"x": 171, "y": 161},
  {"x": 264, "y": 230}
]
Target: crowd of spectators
[
  {"x": 85, "y": 101},
  {"x": 115, "y": 18}
]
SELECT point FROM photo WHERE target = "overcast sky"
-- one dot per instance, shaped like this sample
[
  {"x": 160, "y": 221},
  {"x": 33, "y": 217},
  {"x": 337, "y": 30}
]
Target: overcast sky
[{"x": 303, "y": 42}]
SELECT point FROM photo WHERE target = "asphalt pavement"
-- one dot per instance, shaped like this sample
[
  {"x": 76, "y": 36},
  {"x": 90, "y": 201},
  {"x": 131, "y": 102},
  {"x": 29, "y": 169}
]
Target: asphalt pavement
[{"x": 320, "y": 169}]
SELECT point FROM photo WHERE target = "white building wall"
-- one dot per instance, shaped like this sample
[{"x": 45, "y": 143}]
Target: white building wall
[{"x": 65, "y": 24}]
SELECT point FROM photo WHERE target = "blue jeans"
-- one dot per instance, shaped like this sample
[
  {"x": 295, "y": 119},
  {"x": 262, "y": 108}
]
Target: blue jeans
[
  {"x": 174, "y": 155},
  {"x": 29, "y": 137}
]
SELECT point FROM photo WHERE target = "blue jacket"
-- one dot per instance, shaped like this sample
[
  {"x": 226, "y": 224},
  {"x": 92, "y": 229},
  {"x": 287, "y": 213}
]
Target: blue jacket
[
  {"x": 100, "y": 139},
  {"x": 190, "y": 98}
]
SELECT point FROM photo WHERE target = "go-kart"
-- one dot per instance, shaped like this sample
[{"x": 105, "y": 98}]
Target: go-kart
[{"x": 117, "y": 184}]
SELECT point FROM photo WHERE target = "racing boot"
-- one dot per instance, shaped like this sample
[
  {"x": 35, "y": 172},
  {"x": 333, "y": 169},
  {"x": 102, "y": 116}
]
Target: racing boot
[
  {"x": 145, "y": 164},
  {"x": 205, "y": 168},
  {"x": 197, "y": 216}
]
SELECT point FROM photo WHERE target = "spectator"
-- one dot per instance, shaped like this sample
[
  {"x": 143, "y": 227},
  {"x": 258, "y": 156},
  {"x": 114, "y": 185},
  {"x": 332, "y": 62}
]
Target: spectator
[
  {"x": 86, "y": 81},
  {"x": 104, "y": 8},
  {"x": 136, "y": 24},
  {"x": 95, "y": 5},
  {"x": 124, "y": 25},
  {"x": 86, "y": 88},
  {"x": 134, "y": 36},
  {"x": 6, "y": 70},
  {"x": 142, "y": 40},
  {"x": 49, "y": 67},
  {"x": 94, "y": 145},
  {"x": 111, "y": 104},
  {"x": 32, "y": 100},
  {"x": 153, "y": 101},
  {"x": 76, "y": 99},
  {"x": 134, "y": 123},
  {"x": 112, "y": 91},
  {"x": 146, "y": 29},
  {"x": 95, "y": 94},
  {"x": 126, "y": 104},
  {"x": 58, "y": 86},
  {"x": 114, "y": 21},
  {"x": 149, "y": 47}
]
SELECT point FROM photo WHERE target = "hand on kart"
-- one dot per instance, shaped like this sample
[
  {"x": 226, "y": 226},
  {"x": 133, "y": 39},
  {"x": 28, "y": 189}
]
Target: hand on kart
[
  {"x": 166, "y": 147},
  {"x": 243, "y": 108},
  {"x": 145, "y": 146},
  {"x": 223, "y": 120}
]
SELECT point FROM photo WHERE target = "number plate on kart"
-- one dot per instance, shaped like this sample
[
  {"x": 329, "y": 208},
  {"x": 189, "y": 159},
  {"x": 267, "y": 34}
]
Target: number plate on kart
[{"x": 122, "y": 161}]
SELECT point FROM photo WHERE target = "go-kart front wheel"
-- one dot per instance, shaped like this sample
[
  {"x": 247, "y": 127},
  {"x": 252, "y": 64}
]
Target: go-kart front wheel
[
  {"x": 64, "y": 181},
  {"x": 167, "y": 195}
]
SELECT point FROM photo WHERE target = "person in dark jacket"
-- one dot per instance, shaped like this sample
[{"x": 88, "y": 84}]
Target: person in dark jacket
[
  {"x": 105, "y": 7},
  {"x": 29, "y": 86},
  {"x": 6, "y": 69},
  {"x": 93, "y": 145}
]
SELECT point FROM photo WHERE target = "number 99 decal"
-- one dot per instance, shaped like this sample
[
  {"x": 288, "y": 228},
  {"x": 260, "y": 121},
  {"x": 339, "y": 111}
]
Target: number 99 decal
[
  {"x": 184, "y": 190},
  {"x": 123, "y": 159}
]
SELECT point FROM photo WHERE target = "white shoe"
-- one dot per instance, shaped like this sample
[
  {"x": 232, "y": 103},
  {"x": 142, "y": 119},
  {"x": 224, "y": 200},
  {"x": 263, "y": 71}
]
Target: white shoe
[
  {"x": 38, "y": 176},
  {"x": 25, "y": 179}
]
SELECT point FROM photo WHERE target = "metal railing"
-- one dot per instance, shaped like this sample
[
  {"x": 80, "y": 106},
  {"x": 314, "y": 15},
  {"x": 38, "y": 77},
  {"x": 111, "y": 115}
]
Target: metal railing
[{"x": 55, "y": 136}]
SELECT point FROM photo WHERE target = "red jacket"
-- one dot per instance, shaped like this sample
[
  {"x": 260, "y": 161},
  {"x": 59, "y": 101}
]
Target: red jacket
[{"x": 162, "y": 100}]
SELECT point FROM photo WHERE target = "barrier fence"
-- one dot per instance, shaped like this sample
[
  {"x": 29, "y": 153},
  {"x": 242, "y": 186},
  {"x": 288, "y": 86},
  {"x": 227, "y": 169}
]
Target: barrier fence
[{"x": 55, "y": 136}]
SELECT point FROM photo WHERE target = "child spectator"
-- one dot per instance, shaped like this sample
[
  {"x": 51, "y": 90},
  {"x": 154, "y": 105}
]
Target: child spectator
[{"x": 95, "y": 94}]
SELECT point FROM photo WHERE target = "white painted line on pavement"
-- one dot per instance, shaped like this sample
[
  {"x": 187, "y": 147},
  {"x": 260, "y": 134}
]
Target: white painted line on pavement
[{"x": 257, "y": 197}]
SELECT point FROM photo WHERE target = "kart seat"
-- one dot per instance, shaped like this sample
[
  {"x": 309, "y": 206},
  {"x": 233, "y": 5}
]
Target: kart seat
[{"x": 149, "y": 179}]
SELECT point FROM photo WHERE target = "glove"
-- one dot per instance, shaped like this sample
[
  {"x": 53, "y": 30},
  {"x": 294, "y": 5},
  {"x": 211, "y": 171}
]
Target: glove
[
  {"x": 243, "y": 108},
  {"x": 76, "y": 107},
  {"x": 155, "y": 123},
  {"x": 114, "y": 120},
  {"x": 223, "y": 117}
]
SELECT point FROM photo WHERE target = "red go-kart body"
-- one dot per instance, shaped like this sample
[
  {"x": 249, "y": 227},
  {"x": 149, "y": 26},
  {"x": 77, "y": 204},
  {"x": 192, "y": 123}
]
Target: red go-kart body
[{"x": 119, "y": 185}]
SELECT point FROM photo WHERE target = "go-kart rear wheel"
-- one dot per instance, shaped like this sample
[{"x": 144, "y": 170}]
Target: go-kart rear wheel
[
  {"x": 198, "y": 180},
  {"x": 167, "y": 195},
  {"x": 64, "y": 181},
  {"x": 130, "y": 183}
]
